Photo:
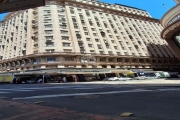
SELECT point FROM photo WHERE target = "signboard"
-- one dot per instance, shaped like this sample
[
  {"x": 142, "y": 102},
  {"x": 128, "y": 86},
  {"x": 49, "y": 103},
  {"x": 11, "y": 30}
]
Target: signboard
[
  {"x": 174, "y": 19},
  {"x": 6, "y": 78},
  {"x": 15, "y": 5}
]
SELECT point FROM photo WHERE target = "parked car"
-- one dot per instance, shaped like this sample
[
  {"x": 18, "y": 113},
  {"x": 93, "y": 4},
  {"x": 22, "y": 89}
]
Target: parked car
[{"x": 118, "y": 78}]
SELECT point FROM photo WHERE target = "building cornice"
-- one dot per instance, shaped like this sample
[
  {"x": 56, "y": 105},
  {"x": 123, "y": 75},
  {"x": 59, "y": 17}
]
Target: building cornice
[
  {"x": 45, "y": 54},
  {"x": 117, "y": 12}
]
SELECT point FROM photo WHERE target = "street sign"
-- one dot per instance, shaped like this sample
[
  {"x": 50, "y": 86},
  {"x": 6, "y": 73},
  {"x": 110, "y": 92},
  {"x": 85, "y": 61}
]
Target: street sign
[{"x": 15, "y": 5}]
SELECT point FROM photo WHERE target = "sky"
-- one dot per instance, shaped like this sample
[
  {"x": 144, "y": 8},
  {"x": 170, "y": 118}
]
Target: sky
[{"x": 154, "y": 7}]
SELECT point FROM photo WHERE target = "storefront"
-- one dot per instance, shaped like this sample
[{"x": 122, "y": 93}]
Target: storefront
[{"x": 72, "y": 75}]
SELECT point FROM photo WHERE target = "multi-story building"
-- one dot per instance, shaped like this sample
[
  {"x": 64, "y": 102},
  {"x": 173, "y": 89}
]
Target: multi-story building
[
  {"x": 82, "y": 34},
  {"x": 171, "y": 23}
]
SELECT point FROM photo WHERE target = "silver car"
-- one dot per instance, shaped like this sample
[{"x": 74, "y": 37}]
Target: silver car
[{"x": 118, "y": 78}]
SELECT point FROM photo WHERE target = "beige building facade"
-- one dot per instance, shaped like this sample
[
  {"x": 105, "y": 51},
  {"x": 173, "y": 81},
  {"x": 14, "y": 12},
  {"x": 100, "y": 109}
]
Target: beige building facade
[
  {"x": 171, "y": 32},
  {"x": 78, "y": 34}
]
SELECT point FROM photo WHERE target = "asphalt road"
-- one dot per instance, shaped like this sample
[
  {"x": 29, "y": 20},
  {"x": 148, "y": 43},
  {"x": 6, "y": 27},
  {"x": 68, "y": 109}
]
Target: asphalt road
[{"x": 145, "y": 102}]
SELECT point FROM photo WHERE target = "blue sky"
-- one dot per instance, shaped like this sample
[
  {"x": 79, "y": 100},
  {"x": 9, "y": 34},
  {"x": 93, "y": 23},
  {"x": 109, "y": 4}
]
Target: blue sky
[{"x": 154, "y": 7}]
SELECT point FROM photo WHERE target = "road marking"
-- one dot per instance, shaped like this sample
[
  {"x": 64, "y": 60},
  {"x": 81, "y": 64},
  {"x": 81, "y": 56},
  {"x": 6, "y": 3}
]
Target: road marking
[
  {"x": 80, "y": 94},
  {"x": 16, "y": 90},
  {"x": 48, "y": 88},
  {"x": 23, "y": 90},
  {"x": 87, "y": 87},
  {"x": 4, "y": 92},
  {"x": 170, "y": 89},
  {"x": 94, "y": 93}
]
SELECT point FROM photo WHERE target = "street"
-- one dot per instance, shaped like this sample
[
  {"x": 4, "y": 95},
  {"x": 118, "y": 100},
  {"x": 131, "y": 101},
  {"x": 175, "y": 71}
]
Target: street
[{"x": 146, "y": 102}]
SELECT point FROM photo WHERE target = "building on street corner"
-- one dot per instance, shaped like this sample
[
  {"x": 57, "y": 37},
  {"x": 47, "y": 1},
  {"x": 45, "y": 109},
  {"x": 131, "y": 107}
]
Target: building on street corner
[
  {"x": 67, "y": 35},
  {"x": 171, "y": 32}
]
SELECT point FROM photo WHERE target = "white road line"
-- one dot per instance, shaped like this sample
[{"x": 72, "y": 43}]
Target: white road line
[
  {"x": 6, "y": 89},
  {"x": 47, "y": 88},
  {"x": 80, "y": 94},
  {"x": 94, "y": 93},
  {"x": 4, "y": 92},
  {"x": 170, "y": 89},
  {"x": 83, "y": 88},
  {"x": 23, "y": 90}
]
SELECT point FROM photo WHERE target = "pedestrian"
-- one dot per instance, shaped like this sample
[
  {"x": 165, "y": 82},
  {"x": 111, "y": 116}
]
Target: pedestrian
[
  {"x": 14, "y": 81},
  {"x": 39, "y": 81},
  {"x": 60, "y": 79},
  {"x": 105, "y": 79},
  {"x": 64, "y": 79},
  {"x": 75, "y": 78}
]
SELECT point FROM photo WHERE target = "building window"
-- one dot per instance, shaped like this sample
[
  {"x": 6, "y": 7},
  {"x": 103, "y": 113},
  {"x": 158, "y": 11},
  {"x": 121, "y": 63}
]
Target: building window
[
  {"x": 125, "y": 53},
  {"x": 47, "y": 20},
  {"x": 66, "y": 44},
  {"x": 88, "y": 39},
  {"x": 102, "y": 60},
  {"x": 67, "y": 50},
  {"x": 97, "y": 40},
  {"x": 64, "y": 37},
  {"x": 63, "y": 26},
  {"x": 115, "y": 47},
  {"x": 50, "y": 50},
  {"x": 112, "y": 41},
  {"x": 64, "y": 32},
  {"x": 110, "y": 36},
  {"x": 48, "y": 26},
  {"x": 51, "y": 59},
  {"x": 49, "y": 44},
  {"x": 93, "y": 29},
  {"x": 90, "y": 45},
  {"x": 95, "y": 34},
  {"x": 79, "y": 10},
  {"x": 176, "y": 40},
  {"x": 35, "y": 61},
  {"x": 85, "y": 28},
  {"x": 110, "y": 52},
  {"x": 111, "y": 60},
  {"x": 48, "y": 31},
  {"x": 49, "y": 37},
  {"x": 86, "y": 33},
  {"x": 69, "y": 58},
  {"x": 101, "y": 52}
]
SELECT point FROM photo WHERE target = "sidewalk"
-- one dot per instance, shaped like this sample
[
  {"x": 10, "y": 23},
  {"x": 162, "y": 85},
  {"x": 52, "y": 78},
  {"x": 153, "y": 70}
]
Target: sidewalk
[
  {"x": 153, "y": 82},
  {"x": 10, "y": 110}
]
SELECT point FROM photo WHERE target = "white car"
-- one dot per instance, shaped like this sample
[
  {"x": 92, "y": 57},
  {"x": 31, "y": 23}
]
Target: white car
[
  {"x": 119, "y": 78},
  {"x": 112, "y": 79}
]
